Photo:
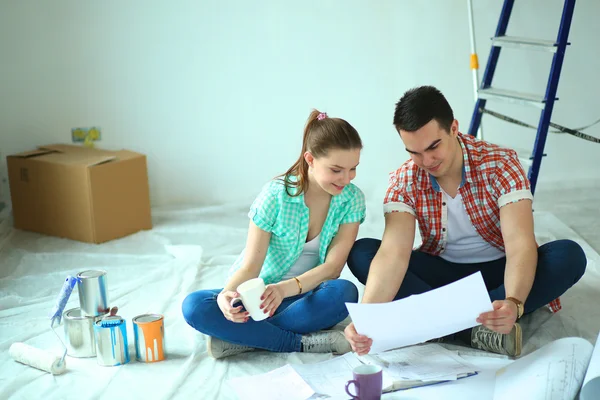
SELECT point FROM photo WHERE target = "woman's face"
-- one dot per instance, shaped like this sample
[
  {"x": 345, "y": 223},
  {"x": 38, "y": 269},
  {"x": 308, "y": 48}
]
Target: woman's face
[{"x": 333, "y": 171}]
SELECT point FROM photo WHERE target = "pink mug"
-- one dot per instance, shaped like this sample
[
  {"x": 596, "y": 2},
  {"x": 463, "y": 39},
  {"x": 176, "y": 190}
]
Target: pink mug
[{"x": 368, "y": 382}]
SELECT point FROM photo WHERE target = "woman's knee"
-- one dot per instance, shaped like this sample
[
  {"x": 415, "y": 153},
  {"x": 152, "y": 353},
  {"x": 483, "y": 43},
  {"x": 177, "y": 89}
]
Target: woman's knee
[
  {"x": 195, "y": 307},
  {"x": 346, "y": 291}
]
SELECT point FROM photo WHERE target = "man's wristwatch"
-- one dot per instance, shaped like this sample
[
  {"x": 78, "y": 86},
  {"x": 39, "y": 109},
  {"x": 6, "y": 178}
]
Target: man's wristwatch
[{"x": 519, "y": 304}]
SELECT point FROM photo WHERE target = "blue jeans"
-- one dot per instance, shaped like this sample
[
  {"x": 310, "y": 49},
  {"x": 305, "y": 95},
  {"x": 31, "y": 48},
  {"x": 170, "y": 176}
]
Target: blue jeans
[
  {"x": 318, "y": 309},
  {"x": 560, "y": 265}
]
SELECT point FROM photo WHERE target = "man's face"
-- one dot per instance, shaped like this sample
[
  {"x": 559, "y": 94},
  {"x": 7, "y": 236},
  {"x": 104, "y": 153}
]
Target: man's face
[{"x": 432, "y": 148}]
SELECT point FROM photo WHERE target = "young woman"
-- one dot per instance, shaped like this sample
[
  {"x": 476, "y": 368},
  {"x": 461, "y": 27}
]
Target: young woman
[{"x": 302, "y": 227}]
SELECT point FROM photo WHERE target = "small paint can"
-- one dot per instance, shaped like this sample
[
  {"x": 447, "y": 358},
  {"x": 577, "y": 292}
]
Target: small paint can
[
  {"x": 149, "y": 334},
  {"x": 93, "y": 298},
  {"x": 111, "y": 341},
  {"x": 79, "y": 333}
]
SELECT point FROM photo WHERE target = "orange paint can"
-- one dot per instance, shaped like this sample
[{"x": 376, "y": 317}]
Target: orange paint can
[{"x": 149, "y": 334}]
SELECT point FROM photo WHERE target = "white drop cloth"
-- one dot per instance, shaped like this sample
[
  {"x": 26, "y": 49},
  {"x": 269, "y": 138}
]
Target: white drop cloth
[{"x": 188, "y": 249}]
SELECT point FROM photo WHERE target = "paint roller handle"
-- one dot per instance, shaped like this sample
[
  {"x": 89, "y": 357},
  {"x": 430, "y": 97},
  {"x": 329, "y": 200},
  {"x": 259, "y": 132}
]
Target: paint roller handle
[{"x": 63, "y": 297}]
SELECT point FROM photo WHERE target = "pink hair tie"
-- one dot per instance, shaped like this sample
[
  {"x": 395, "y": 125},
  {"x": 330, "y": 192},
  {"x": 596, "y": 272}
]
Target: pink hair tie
[{"x": 321, "y": 116}]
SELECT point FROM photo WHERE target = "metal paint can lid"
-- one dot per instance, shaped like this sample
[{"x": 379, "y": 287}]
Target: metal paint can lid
[
  {"x": 92, "y": 273},
  {"x": 147, "y": 318},
  {"x": 76, "y": 313}
]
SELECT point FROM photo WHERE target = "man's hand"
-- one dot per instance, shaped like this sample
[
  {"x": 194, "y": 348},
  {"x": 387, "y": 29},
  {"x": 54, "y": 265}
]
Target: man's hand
[
  {"x": 502, "y": 319},
  {"x": 360, "y": 343}
]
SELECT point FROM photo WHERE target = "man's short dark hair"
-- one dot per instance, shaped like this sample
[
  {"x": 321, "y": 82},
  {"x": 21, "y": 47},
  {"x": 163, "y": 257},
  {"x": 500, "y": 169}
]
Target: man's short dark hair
[{"x": 420, "y": 105}]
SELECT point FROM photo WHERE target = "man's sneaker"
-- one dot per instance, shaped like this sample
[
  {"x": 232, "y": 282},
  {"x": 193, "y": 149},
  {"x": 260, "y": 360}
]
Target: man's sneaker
[
  {"x": 326, "y": 342},
  {"x": 218, "y": 348},
  {"x": 485, "y": 339},
  {"x": 443, "y": 339}
]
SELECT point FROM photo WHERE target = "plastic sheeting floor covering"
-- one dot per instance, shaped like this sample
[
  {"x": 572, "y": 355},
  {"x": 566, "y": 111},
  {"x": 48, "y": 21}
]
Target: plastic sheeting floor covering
[{"x": 152, "y": 272}]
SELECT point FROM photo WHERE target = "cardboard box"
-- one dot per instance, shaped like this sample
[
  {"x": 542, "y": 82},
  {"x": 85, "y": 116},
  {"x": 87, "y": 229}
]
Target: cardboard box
[{"x": 80, "y": 193}]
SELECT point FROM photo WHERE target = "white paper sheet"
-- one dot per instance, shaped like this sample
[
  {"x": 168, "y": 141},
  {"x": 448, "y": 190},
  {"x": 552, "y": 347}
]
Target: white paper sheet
[
  {"x": 429, "y": 362},
  {"x": 478, "y": 387},
  {"x": 145, "y": 274},
  {"x": 591, "y": 382},
  {"x": 422, "y": 317},
  {"x": 329, "y": 377},
  {"x": 553, "y": 372},
  {"x": 281, "y": 383}
]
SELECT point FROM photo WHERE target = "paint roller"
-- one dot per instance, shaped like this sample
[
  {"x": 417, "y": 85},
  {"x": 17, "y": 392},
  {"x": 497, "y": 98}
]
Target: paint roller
[{"x": 41, "y": 359}]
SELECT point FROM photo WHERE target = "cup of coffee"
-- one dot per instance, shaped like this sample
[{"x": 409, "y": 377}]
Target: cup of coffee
[
  {"x": 368, "y": 381},
  {"x": 250, "y": 292}
]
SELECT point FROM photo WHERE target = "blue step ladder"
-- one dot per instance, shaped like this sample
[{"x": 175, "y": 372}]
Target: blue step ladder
[{"x": 546, "y": 102}]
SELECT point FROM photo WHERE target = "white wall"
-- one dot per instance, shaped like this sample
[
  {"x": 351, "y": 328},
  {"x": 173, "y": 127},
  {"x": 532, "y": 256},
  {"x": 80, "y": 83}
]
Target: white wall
[{"x": 216, "y": 92}]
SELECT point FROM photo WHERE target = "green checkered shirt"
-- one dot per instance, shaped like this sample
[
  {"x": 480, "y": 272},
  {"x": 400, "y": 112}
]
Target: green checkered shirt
[{"x": 286, "y": 218}]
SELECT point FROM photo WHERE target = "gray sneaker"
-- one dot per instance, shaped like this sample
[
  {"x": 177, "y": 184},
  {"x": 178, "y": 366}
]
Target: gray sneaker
[
  {"x": 443, "y": 339},
  {"x": 218, "y": 348},
  {"x": 485, "y": 339},
  {"x": 326, "y": 342}
]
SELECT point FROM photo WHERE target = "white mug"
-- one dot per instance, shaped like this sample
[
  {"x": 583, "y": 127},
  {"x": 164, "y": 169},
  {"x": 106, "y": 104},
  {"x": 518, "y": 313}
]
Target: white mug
[{"x": 250, "y": 292}]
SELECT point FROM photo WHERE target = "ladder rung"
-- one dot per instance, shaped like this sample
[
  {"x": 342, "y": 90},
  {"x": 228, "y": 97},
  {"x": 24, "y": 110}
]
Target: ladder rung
[
  {"x": 514, "y": 41},
  {"x": 512, "y": 96}
]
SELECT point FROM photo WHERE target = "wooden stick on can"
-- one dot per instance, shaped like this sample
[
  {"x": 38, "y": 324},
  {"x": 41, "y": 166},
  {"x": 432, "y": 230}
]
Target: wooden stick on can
[{"x": 149, "y": 333}]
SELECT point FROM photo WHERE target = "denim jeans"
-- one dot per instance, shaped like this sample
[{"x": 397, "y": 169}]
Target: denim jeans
[
  {"x": 560, "y": 265},
  {"x": 318, "y": 309}
]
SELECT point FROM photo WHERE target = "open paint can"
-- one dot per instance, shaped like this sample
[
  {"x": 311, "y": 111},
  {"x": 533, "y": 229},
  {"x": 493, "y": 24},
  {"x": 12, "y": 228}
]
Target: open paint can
[
  {"x": 79, "y": 333},
  {"x": 111, "y": 341},
  {"x": 93, "y": 297},
  {"x": 149, "y": 334}
]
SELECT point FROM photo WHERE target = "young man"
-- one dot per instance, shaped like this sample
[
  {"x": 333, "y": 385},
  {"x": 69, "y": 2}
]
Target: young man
[{"x": 473, "y": 204}]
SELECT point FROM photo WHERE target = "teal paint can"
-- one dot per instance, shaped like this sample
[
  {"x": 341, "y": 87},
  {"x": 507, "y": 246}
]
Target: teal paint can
[{"x": 112, "y": 348}]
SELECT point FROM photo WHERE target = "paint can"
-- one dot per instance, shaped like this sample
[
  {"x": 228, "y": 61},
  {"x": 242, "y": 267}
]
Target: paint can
[
  {"x": 93, "y": 298},
  {"x": 79, "y": 333},
  {"x": 111, "y": 341},
  {"x": 149, "y": 334}
]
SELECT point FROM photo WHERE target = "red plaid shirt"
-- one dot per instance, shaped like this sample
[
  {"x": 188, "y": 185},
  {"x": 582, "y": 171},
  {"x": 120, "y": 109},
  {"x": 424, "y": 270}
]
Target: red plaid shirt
[{"x": 492, "y": 177}]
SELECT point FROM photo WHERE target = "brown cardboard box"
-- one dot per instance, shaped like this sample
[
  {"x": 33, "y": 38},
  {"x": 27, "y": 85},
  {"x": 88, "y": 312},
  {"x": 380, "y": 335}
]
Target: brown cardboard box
[{"x": 80, "y": 193}]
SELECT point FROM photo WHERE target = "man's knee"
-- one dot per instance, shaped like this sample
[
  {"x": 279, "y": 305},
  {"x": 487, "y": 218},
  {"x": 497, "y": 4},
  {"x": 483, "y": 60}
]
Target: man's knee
[
  {"x": 576, "y": 257},
  {"x": 363, "y": 246},
  {"x": 362, "y": 253},
  {"x": 567, "y": 258}
]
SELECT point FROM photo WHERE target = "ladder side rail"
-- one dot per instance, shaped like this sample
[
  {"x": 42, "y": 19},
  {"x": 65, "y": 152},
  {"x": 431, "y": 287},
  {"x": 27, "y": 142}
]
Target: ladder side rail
[
  {"x": 551, "y": 89},
  {"x": 490, "y": 67}
]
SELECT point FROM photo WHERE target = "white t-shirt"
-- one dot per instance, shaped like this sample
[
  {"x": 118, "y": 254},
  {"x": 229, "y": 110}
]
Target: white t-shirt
[
  {"x": 464, "y": 244},
  {"x": 309, "y": 258}
]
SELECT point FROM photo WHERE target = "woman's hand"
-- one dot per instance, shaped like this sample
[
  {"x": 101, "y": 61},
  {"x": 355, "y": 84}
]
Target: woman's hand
[
  {"x": 234, "y": 314},
  {"x": 272, "y": 298}
]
